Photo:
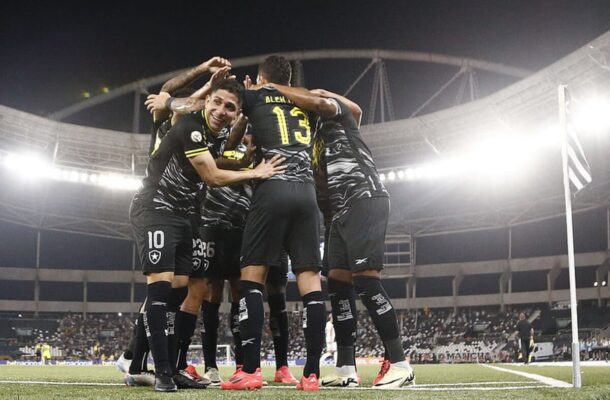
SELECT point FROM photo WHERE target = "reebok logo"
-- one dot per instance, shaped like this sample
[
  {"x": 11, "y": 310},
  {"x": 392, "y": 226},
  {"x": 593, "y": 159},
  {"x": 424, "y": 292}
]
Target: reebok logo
[{"x": 360, "y": 261}]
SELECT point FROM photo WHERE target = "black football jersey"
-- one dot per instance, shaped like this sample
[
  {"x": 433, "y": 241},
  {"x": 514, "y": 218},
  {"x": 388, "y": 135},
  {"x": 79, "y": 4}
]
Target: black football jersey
[
  {"x": 171, "y": 182},
  {"x": 280, "y": 127}
]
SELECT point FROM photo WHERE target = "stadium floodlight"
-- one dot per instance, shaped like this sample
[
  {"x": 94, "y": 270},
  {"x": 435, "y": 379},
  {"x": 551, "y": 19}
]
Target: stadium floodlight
[
  {"x": 392, "y": 175},
  {"x": 595, "y": 284},
  {"x": 30, "y": 166},
  {"x": 591, "y": 115},
  {"x": 604, "y": 283},
  {"x": 27, "y": 165},
  {"x": 117, "y": 181},
  {"x": 382, "y": 177}
]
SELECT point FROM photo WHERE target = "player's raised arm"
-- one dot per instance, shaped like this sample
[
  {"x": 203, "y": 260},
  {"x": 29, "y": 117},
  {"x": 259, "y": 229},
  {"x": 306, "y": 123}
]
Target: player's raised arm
[
  {"x": 210, "y": 66},
  {"x": 309, "y": 101},
  {"x": 354, "y": 108}
]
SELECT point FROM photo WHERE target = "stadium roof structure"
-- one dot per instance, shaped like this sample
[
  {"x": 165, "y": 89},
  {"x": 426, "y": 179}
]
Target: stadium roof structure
[{"x": 423, "y": 206}]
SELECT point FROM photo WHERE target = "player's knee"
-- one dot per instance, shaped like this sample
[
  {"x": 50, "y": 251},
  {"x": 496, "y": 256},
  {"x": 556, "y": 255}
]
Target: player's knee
[
  {"x": 341, "y": 275},
  {"x": 308, "y": 281},
  {"x": 371, "y": 273}
]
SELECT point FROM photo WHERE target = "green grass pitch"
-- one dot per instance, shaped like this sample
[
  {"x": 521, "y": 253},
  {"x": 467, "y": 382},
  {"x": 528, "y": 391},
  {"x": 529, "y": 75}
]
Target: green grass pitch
[{"x": 469, "y": 381}]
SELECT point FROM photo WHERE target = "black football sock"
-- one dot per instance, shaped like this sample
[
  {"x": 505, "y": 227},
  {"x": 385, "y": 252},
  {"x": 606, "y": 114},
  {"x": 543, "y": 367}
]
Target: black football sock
[
  {"x": 251, "y": 315},
  {"x": 187, "y": 323},
  {"x": 343, "y": 303},
  {"x": 128, "y": 351},
  {"x": 155, "y": 322},
  {"x": 314, "y": 320},
  {"x": 140, "y": 348},
  {"x": 209, "y": 333},
  {"x": 278, "y": 324},
  {"x": 378, "y": 304},
  {"x": 234, "y": 321},
  {"x": 176, "y": 298}
]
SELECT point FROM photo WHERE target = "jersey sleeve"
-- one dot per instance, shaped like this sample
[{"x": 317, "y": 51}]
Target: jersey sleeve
[
  {"x": 191, "y": 138},
  {"x": 344, "y": 114}
]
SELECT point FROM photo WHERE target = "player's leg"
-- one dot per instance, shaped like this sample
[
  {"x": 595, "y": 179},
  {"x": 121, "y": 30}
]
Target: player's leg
[
  {"x": 157, "y": 236},
  {"x": 231, "y": 271},
  {"x": 209, "y": 333},
  {"x": 234, "y": 323},
  {"x": 303, "y": 246},
  {"x": 124, "y": 360},
  {"x": 184, "y": 269},
  {"x": 343, "y": 308},
  {"x": 363, "y": 231},
  {"x": 261, "y": 247},
  {"x": 251, "y": 314},
  {"x": 138, "y": 374},
  {"x": 187, "y": 321},
  {"x": 178, "y": 294},
  {"x": 278, "y": 319}
]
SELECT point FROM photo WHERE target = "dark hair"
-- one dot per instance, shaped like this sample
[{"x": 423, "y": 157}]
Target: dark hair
[
  {"x": 231, "y": 86},
  {"x": 276, "y": 69}
]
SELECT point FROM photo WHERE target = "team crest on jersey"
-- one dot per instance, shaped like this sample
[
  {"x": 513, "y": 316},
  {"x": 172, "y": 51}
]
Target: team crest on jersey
[
  {"x": 154, "y": 256},
  {"x": 196, "y": 263},
  {"x": 206, "y": 265},
  {"x": 196, "y": 136}
]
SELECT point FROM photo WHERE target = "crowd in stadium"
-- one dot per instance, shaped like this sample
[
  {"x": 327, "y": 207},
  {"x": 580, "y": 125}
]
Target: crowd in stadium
[{"x": 428, "y": 336}]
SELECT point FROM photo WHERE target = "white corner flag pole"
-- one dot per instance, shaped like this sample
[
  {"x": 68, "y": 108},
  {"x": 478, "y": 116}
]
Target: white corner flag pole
[{"x": 576, "y": 379}]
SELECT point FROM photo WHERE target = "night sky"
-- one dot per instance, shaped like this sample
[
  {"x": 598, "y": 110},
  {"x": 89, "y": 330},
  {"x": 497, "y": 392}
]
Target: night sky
[{"x": 53, "y": 51}]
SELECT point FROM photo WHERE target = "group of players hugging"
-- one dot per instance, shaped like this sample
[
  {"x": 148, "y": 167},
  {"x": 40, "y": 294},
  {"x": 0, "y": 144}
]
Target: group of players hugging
[{"x": 234, "y": 179}]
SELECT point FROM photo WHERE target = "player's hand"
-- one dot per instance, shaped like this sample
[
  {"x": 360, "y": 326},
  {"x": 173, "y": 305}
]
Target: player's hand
[
  {"x": 248, "y": 82},
  {"x": 215, "y": 63},
  {"x": 239, "y": 123},
  {"x": 156, "y": 102},
  {"x": 219, "y": 75},
  {"x": 249, "y": 153},
  {"x": 267, "y": 168}
]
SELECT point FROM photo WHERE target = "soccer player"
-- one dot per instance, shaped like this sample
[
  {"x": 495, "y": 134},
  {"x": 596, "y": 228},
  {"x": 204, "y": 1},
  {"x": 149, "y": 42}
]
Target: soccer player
[
  {"x": 283, "y": 215},
  {"x": 359, "y": 205},
  {"x": 216, "y": 257},
  {"x": 525, "y": 331},
  {"x": 161, "y": 213},
  {"x": 133, "y": 362},
  {"x": 223, "y": 216}
]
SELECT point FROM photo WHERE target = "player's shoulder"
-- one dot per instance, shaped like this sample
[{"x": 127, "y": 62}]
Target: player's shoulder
[{"x": 260, "y": 95}]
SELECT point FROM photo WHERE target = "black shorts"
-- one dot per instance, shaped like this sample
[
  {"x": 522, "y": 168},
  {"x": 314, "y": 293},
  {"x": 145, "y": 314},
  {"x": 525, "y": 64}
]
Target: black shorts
[
  {"x": 216, "y": 253},
  {"x": 164, "y": 240},
  {"x": 283, "y": 215},
  {"x": 356, "y": 240}
]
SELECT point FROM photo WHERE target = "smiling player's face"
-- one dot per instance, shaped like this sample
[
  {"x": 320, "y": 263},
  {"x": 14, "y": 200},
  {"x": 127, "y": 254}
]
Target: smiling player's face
[{"x": 221, "y": 108}]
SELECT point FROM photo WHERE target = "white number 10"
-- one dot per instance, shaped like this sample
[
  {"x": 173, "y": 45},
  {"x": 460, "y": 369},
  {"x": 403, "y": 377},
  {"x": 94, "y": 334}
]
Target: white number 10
[{"x": 156, "y": 240}]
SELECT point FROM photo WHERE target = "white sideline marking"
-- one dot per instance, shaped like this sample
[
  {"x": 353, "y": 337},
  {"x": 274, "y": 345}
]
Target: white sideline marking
[
  {"x": 476, "y": 383},
  {"x": 475, "y": 388},
  {"x": 543, "y": 379},
  {"x": 64, "y": 383}
]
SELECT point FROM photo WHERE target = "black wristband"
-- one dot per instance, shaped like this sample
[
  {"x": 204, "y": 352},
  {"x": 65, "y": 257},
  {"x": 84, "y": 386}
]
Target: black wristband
[{"x": 168, "y": 103}]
